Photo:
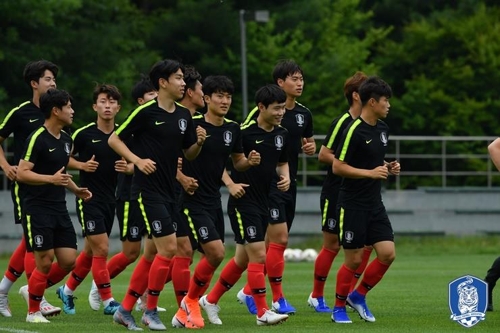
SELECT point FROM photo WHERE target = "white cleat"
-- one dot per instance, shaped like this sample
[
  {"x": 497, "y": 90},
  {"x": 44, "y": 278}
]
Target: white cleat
[
  {"x": 271, "y": 318},
  {"x": 36, "y": 318},
  {"x": 212, "y": 310},
  {"x": 47, "y": 309},
  {"x": 4, "y": 306},
  {"x": 94, "y": 297}
]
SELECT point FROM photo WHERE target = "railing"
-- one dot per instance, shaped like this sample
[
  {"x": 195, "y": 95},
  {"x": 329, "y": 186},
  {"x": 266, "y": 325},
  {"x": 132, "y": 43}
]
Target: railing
[{"x": 438, "y": 157}]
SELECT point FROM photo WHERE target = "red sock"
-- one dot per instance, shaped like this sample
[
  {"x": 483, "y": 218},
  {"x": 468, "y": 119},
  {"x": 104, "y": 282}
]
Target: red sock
[
  {"x": 29, "y": 264},
  {"x": 257, "y": 283},
  {"x": 373, "y": 274},
  {"x": 101, "y": 277},
  {"x": 16, "y": 262},
  {"x": 117, "y": 264},
  {"x": 56, "y": 274},
  {"x": 230, "y": 274},
  {"x": 367, "y": 251},
  {"x": 322, "y": 267},
  {"x": 275, "y": 265},
  {"x": 138, "y": 283},
  {"x": 82, "y": 268},
  {"x": 169, "y": 275},
  {"x": 180, "y": 277},
  {"x": 344, "y": 278},
  {"x": 36, "y": 288},
  {"x": 202, "y": 276},
  {"x": 157, "y": 276}
]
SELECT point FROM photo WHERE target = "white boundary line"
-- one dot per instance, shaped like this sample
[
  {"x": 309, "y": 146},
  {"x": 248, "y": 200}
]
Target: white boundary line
[{"x": 11, "y": 330}]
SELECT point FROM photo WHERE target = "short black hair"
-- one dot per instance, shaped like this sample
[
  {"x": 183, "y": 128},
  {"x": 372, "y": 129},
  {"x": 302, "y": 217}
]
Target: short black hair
[
  {"x": 163, "y": 69},
  {"x": 374, "y": 87},
  {"x": 191, "y": 76},
  {"x": 142, "y": 87},
  {"x": 35, "y": 70},
  {"x": 54, "y": 98},
  {"x": 108, "y": 89},
  {"x": 217, "y": 84},
  {"x": 269, "y": 94},
  {"x": 285, "y": 68}
]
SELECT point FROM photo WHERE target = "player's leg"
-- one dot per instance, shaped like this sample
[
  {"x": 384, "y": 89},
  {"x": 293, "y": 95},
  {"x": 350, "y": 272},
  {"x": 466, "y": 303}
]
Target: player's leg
[{"x": 491, "y": 278}]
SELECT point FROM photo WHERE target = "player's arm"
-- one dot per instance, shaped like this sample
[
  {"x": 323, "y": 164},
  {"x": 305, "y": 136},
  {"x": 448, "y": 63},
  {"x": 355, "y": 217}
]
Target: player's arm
[
  {"x": 88, "y": 166},
  {"x": 25, "y": 174},
  {"x": 493, "y": 150},
  {"x": 308, "y": 146},
  {"x": 343, "y": 169},
  {"x": 394, "y": 167},
  {"x": 326, "y": 155},
  {"x": 284, "y": 176},
  {"x": 80, "y": 192},
  {"x": 9, "y": 170},
  {"x": 189, "y": 184},
  {"x": 236, "y": 190},
  {"x": 146, "y": 165},
  {"x": 242, "y": 163},
  {"x": 193, "y": 151}
]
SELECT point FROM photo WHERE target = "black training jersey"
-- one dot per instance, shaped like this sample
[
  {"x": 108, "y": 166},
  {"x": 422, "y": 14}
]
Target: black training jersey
[
  {"x": 273, "y": 149},
  {"x": 299, "y": 124},
  {"x": 89, "y": 141},
  {"x": 362, "y": 146},
  {"x": 158, "y": 135},
  {"x": 49, "y": 155},
  {"x": 21, "y": 121},
  {"x": 124, "y": 182},
  {"x": 208, "y": 167},
  {"x": 331, "y": 185}
]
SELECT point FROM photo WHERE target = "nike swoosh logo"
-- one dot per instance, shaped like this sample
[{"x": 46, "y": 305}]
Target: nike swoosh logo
[
  {"x": 262, "y": 321},
  {"x": 207, "y": 136},
  {"x": 159, "y": 122},
  {"x": 259, "y": 141},
  {"x": 368, "y": 141},
  {"x": 51, "y": 150},
  {"x": 33, "y": 120},
  {"x": 96, "y": 141}
]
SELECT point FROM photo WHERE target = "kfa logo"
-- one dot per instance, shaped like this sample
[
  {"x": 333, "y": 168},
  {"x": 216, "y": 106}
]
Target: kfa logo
[
  {"x": 383, "y": 138},
  {"x": 67, "y": 148},
  {"x": 203, "y": 231},
  {"x": 38, "y": 240},
  {"x": 331, "y": 223},
  {"x": 278, "y": 142},
  {"x": 134, "y": 232},
  {"x": 468, "y": 298},
  {"x": 349, "y": 236},
  {"x": 156, "y": 225},
  {"x": 228, "y": 138},
  {"x": 299, "y": 119},
  {"x": 275, "y": 213},
  {"x": 183, "y": 124},
  {"x": 90, "y": 225},
  {"x": 252, "y": 231}
]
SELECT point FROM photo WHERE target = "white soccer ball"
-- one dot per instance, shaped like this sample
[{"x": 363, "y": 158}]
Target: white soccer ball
[
  {"x": 309, "y": 255},
  {"x": 292, "y": 255}
]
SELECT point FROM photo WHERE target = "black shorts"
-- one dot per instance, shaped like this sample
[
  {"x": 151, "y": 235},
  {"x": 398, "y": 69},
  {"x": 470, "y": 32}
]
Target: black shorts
[
  {"x": 95, "y": 217},
  {"x": 363, "y": 227},
  {"x": 328, "y": 205},
  {"x": 130, "y": 221},
  {"x": 206, "y": 224},
  {"x": 16, "y": 201},
  {"x": 248, "y": 224},
  {"x": 282, "y": 206},
  {"x": 159, "y": 217},
  {"x": 46, "y": 232}
]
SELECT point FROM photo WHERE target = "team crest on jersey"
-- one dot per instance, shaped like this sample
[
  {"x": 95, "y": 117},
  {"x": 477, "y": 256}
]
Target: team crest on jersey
[
  {"x": 157, "y": 225},
  {"x": 331, "y": 223},
  {"x": 67, "y": 148},
  {"x": 383, "y": 138},
  {"x": 203, "y": 232},
  {"x": 38, "y": 240},
  {"x": 252, "y": 231},
  {"x": 183, "y": 124},
  {"x": 299, "y": 118},
  {"x": 278, "y": 142},
  {"x": 275, "y": 213},
  {"x": 228, "y": 137},
  {"x": 349, "y": 236},
  {"x": 134, "y": 232},
  {"x": 468, "y": 299},
  {"x": 90, "y": 225}
]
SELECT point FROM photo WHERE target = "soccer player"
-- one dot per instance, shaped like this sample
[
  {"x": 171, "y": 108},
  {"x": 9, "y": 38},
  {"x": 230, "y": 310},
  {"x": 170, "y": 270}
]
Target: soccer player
[
  {"x": 360, "y": 210},
  {"x": 329, "y": 195},
  {"x": 203, "y": 208},
  {"x": 21, "y": 121},
  {"x": 99, "y": 166},
  {"x": 48, "y": 229},
  {"x": 298, "y": 121},
  {"x": 249, "y": 213},
  {"x": 160, "y": 128}
]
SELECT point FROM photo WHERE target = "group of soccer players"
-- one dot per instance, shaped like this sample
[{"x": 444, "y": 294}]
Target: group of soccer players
[{"x": 161, "y": 172}]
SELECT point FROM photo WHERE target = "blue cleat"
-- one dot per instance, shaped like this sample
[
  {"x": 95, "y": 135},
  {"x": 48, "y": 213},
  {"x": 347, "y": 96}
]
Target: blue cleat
[
  {"x": 68, "y": 301},
  {"x": 111, "y": 308},
  {"x": 282, "y": 306},
  {"x": 248, "y": 301},
  {"x": 339, "y": 315},
  {"x": 318, "y": 304},
  {"x": 358, "y": 303}
]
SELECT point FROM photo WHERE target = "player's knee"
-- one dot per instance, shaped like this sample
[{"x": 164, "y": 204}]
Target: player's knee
[{"x": 215, "y": 257}]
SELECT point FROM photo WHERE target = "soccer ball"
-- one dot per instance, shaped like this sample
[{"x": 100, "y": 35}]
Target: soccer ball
[
  {"x": 293, "y": 255},
  {"x": 309, "y": 255}
]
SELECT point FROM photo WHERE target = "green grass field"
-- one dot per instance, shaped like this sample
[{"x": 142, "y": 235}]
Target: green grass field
[{"x": 412, "y": 297}]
